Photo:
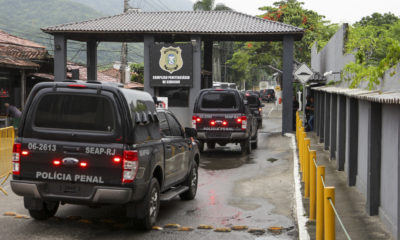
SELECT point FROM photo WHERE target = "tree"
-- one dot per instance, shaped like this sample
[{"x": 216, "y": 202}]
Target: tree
[
  {"x": 138, "y": 72},
  {"x": 316, "y": 29},
  {"x": 208, "y": 5},
  {"x": 375, "y": 44},
  {"x": 377, "y": 19}
]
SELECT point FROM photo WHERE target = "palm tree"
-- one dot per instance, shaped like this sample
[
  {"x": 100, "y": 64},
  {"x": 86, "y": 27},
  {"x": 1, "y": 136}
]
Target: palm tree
[{"x": 208, "y": 5}]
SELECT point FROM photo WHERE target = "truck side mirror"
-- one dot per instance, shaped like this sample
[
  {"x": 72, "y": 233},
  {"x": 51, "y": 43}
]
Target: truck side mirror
[{"x": 190, "y": 132}]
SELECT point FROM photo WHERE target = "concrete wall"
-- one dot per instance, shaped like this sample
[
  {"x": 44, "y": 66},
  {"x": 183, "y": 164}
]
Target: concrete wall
[
  {"x": 362, "y": 160},
  {"x": 332, "y": 57},
  {"x": 389, "y": 208}
]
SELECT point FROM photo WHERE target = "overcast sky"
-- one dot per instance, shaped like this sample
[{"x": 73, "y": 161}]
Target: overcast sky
[{"x": 337, "y": 11}]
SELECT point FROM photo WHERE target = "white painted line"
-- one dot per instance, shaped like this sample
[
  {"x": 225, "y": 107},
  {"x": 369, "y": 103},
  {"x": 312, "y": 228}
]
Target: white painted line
[{"x": 300, "y": 213}]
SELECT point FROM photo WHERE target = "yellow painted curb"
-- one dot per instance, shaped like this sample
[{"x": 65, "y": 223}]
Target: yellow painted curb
[
  {"x": 256, "y": 231},
  {"x": 172, "y": 225},
  {"x": 239, "y": 228},
  {"x": 222, "y": 230},
  {"x": 158, "y": 228},
  {"x": 275, "y": 230},
  {"x": 74, "y": 218},
  {"x": 109, "y": 221},
  {"x": 185, "y": 229},
  {"x": 87, "y": 221},
  {"x": 10, "y": 214},
  {"x": 204, "y": 226},
  {"x": 22, "y": 216}
]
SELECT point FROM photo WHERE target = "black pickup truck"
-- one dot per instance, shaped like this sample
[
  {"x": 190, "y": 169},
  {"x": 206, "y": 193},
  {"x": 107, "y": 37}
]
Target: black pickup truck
[
  {"x": 94, "y": 144},
  {"x": 223, "y": 116}
]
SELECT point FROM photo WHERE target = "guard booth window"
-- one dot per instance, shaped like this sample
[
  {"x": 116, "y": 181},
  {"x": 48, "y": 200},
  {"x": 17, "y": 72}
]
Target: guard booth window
[{"x": 177, "y": 96}]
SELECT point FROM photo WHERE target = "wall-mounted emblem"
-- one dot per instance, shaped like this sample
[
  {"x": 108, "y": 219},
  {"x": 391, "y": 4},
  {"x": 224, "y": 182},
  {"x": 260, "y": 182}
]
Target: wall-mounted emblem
[{"x": 171, "y": 59}]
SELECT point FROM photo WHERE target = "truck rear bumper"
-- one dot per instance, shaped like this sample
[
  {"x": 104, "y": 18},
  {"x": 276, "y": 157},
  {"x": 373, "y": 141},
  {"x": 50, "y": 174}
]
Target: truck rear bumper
[
  {"x": 98, "y": 195},
  {"x": 232, "y": 136}
]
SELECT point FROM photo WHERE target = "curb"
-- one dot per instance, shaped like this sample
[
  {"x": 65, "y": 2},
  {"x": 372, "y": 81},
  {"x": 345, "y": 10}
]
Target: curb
[{"x": 299, "y": 208}]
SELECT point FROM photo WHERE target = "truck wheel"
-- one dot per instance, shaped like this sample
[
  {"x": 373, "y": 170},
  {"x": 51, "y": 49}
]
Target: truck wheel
[
  {"x": 254, "y": 144},
  {"x": 48, "y": 210},
  {"x": 211, "y": 145},
  {"x": 201, "y": 146},
  {"x": 151, "y": 207},
  {"x": 191, "y": 182},
  {"x": 246, "y": 146}
]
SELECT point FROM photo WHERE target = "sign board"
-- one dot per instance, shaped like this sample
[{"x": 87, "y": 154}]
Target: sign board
[
  {"x": 263, "y": 85},
  {"x": 303, "y": 73},
  {"x": 171, "y": 65},
  {"x": 162, "y": 102}
]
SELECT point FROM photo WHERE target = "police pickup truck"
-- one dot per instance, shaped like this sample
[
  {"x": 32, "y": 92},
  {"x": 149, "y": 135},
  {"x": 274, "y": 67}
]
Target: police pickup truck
[{"x": 94, "y": 144}]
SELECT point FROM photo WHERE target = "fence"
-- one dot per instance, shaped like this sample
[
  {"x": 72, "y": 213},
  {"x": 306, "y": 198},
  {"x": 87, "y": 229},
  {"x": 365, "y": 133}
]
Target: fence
[
  {"x": 321, "y": 197},
  {"x": 6, "y": 147}
]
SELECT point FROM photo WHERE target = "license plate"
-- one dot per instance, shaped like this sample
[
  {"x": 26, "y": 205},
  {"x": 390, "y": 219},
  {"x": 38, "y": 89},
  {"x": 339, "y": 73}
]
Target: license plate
[
  {"x": 218, "y": 134},
  {"x": 70, "y": 189}
]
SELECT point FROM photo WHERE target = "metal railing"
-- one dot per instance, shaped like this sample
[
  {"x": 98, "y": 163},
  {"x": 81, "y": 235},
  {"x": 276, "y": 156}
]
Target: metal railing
[
  {"x": 322, "y": 197},
  {"x": 6, "y": 147}
]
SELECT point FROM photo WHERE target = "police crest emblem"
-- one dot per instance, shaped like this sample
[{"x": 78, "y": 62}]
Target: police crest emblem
[{"x": 171, "y": 59}]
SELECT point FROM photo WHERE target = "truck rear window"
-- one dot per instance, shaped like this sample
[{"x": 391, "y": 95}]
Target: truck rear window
[
  {"x": 252, "y": 100},
  {"x": 77, "y": 112},
  {"x": 219, "y": 100}
]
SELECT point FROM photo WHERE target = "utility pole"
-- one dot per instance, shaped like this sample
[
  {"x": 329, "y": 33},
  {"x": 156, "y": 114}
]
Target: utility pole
[{"x": 124, "y": 52}]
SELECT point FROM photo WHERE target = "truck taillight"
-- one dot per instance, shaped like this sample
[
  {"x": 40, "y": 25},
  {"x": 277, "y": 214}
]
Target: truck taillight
[
  {"x": 224, "y": 123},
  {"x": 195, "y": 120},
  {"x": 212, "y": 123},
  {"x": 243, "y": 121},
  {"x": 16, "y": 158},
  {"x": 259, "y": 109},
  {"x": 130, "y": 166}
]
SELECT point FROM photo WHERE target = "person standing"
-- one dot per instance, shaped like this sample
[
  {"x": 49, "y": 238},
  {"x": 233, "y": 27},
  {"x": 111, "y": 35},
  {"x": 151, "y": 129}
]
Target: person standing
[
  {"x": 310, "y": 113},
  {"x": 14, "y": 113},
  {"x": 295, "y": 108}
]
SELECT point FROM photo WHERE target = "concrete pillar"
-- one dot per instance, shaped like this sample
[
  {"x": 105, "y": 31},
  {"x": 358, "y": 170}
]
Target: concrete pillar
[
  {"x": 196, "y": 73},
  {"x": 23, "y": 88},
  {"x": 321, "y": 116},
  {"x": 374, "y": 158},
  {"x": 91, "y": 59},
  {"x": 60, "y": 57},
  {"x": 333, "y": 126},
  {"x": 148, "y": 41},
  {"x": 316, "y": 111},
  {"x": 208, "y": 52},
  {"x": 327, "y": 118},
  {"x": 287, "y": 88},
  {"x": 341, "y": 132},
  {"x": 351, "y": 161}
]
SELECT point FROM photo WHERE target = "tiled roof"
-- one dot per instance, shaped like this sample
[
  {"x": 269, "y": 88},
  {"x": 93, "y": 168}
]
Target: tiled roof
[
  {"x": 11, "y": 39},
  {"x": 200, "y": 22},
  {"x": 16, "y": 52},
  {"x": 11, "y": 62}
]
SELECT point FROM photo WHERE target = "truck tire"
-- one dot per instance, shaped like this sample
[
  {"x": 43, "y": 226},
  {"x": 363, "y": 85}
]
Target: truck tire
[
  {"x": 201, "y": 146},
  {"x": 151, "y": 207},
  {"x": 246, "y": 146},
  {"x": 48, "y": 210},
  {"x": 254, "y": 144},
  {"x": 191, "y": 181}
]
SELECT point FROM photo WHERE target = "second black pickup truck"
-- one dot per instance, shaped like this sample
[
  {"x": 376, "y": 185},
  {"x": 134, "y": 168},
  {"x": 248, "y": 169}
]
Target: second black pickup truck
[{"x": 93, "y": 143}]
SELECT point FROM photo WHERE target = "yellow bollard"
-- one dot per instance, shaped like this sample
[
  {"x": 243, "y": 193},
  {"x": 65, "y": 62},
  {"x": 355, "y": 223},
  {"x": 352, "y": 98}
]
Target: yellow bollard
[
  {"x": 320, "y": 203},
  {"x": 313, "y": 174},
  {"x": 301, "y": 149},
  {"x": 306, "y": 162},
  {"x": 303, "y": 152},
  {"x": 329, "y": 215}
]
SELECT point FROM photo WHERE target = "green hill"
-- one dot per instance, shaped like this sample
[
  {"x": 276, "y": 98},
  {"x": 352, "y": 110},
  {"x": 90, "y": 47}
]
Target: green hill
[
  {"x": 24, "y": 18},
  {"x": 111, "y": 7}
]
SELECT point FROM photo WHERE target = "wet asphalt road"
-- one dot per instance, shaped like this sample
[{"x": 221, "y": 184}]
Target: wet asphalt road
[{"x": 255, "y": 190}]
